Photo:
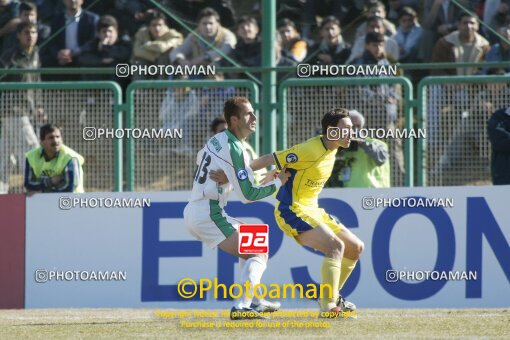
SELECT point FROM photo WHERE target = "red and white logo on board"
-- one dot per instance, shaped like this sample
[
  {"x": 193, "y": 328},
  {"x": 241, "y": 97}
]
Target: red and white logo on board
[{"x": 253, "y": 239}]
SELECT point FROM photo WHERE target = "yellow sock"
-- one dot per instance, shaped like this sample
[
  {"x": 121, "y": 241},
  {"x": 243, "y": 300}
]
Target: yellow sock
[
  {"x": 347, "y": 268},
  {"x": 331, "y": 276}
]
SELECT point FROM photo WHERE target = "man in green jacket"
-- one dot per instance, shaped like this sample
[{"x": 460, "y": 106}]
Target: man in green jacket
[{"x": 53, "y": 167}]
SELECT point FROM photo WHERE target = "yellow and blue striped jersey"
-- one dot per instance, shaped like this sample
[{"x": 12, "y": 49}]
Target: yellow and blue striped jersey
[{"x": 310, "y": 164}]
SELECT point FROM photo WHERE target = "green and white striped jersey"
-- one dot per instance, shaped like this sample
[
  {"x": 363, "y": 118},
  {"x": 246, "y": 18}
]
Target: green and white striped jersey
[{"x": 225, "y": 152}]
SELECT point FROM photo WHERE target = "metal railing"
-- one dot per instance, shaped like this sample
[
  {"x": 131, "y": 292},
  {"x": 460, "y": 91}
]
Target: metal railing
[
  {"x": 302, "y": 102},
  {"x": 24, "y": 107},
  {"x": 259, "y": 69},
  {"x": 188, "y": 106},
  {"x": 455, "y": 111}
]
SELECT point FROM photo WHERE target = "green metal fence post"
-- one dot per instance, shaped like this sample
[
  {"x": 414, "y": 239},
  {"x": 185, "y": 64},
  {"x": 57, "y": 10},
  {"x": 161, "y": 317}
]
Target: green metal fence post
[
  {"x": 420, "y": 147},
  {"x": 268, "y": 78},
  {"x": 118, "y": 148},
  {"x": 408, "y": 142},
  {"x": 130, "y": 149},
  {"x": 282, "y": 116}
]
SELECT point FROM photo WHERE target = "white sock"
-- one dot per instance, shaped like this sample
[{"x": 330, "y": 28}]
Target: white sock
[
  {"x": 242, "y": 263},
  {"x": 252, "y": 271},
  {"x": 256, "y": 300}
]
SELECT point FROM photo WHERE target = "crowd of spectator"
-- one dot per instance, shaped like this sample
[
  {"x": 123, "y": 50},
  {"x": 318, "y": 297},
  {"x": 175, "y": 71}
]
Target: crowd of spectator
[{"x": 104, "y": 33}]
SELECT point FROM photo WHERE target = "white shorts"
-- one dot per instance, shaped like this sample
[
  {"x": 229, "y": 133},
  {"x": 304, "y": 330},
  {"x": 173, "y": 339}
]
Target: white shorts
[{"x": 207, "y": 222}]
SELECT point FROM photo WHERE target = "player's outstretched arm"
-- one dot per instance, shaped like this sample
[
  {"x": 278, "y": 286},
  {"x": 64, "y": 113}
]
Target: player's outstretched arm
[
  {"x": 274, "y": 174},
  {"x": 262, "y": 162},
  {"x": 219, "y": 176},
  {"x": 269, "y": 176},
  {"x": 239, "y": 174}
]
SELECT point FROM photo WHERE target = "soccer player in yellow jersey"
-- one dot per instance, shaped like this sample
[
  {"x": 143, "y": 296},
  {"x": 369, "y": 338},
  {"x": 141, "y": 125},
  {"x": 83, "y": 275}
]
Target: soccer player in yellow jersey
[{"x": 298, "y": 213}]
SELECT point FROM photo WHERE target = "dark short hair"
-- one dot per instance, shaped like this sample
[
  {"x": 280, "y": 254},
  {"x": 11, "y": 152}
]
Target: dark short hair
[
  {"x": 372, "y": 37},
  {"x": 233, "y": 106},
  {"x": 376, "y": 4},
  {"x": 107, "y": 21},
  {"x": 464, "y": 14},
  {"x": 208, "y": 12},
  {"x": 246, "y": 19},
  {"x": 27, "y": 7},
  {"x": 374, "y": 18},
  {"x": 23, "y": 25},
  {"x": 286, "y": 22},
  {"x": 47, "y": 129},
  {"x": 406, "y": 10},
  {"x": 217, "y": 121},
  {"x": 331, "y": 19},
  {"x": 331, "y": 118},
  {"x": 156, "y": 15}
]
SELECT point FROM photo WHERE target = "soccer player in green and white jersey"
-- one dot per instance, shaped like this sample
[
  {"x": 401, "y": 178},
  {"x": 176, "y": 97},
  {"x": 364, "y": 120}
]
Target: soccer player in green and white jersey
[{"x": 204, "y": 215}]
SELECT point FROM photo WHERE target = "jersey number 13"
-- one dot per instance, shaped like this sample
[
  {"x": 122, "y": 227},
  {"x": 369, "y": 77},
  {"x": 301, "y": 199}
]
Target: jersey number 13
[{"x": 201, "y": 174}]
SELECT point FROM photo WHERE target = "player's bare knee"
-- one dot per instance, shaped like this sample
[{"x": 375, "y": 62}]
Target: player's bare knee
[
  {"x": 360, "y": 247},
  {"x": 339, "y": 245},
  {"x": 354, "y": 249},
  {"x": 335, "y": 247}
]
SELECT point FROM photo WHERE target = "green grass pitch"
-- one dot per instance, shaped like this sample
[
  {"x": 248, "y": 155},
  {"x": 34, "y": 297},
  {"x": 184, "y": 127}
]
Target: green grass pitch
[{"x": 143, "y": 323}]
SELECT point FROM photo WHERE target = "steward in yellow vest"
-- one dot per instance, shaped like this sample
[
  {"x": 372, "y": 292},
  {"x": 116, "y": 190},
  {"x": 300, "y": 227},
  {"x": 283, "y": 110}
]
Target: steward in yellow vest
[{"x": 53, "y": 167}]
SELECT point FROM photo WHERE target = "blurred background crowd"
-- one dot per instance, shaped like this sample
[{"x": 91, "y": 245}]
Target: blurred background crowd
[{"x": 107, "y": 32}]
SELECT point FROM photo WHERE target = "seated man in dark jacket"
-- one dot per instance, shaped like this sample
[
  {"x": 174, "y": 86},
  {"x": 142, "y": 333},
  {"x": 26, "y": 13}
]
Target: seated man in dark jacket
[
  {"x": 106, "y": 49},
  {"x": 79, "y": 28},
  {"x": 248, "y": 51},
  {"x": 332, "y": 49}
]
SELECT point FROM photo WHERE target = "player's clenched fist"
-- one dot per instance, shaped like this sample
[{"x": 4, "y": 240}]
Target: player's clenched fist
[
  {"x": 269, "y": 176},
  {"x": 284, "y": 175}
]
